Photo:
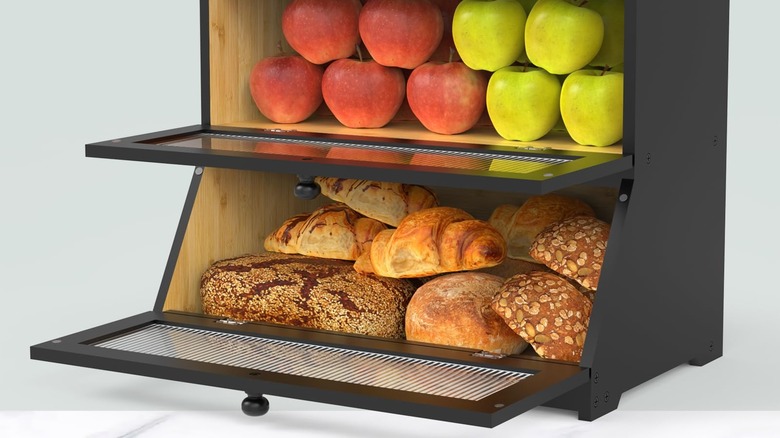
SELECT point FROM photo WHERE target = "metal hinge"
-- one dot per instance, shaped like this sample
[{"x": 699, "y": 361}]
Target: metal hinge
[
  {"x": 489, "y": 355},
  {"x": 229, "y": 321}
]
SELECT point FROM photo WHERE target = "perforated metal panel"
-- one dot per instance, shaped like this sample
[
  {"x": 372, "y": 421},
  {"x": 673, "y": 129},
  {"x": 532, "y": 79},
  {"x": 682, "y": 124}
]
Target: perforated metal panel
[{"x": 423, "y": 376}]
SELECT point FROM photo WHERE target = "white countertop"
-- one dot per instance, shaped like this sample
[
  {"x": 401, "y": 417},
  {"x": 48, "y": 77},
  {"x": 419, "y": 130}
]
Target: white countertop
[{"x": 356, "y": 423}]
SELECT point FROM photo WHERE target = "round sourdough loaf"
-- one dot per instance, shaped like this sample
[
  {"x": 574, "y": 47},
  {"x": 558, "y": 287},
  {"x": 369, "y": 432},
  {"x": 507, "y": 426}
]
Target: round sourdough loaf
[
  {"x": 455, "y": 310},
  {"x": 306, "y": 292}
]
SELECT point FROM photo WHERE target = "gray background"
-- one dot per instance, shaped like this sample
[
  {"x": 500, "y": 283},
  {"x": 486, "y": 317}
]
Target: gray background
[{"x": 84, "y": 241}]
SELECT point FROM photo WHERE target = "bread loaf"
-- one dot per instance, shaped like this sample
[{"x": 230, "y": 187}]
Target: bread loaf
[
  {"x": 433, "y": 241},
  {"x": 307, "y": 292},
  {"x": 574, "y": 248},
  {"x": 548, "y": 312},
  {"x": 384, "y": 201},
  {"x": 520, "y": 225},
  {"x": 455, "y": 310},
  {"x": 334, "y": 231}
]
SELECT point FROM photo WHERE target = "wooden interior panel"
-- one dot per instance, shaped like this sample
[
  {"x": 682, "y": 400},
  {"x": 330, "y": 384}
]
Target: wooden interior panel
[
  {"x": 242, "y": 32},
  {"x": 233, "y": 212}
]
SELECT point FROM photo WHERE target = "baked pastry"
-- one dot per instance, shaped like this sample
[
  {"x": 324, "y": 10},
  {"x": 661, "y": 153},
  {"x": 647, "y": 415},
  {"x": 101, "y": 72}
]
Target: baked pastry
[
  {"x": 307, "y": 292},
  {"x": 575, "y": 248},
  {"x": 334, "y": 231},
  {"x": 455, "y": 310},
  {"x": 384, "y": 201},
  {"x": 433, "y": 241},
  {"x": 511, "y": 267},
  {"x": 520, "y": 225},
  {"x": 548, "y": 312}
]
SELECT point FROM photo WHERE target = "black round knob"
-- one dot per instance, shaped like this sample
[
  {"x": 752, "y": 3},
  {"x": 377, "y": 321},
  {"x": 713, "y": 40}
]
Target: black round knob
[
  {"x": 255, "y": 406},
  {"x": 307, "y": 189}
]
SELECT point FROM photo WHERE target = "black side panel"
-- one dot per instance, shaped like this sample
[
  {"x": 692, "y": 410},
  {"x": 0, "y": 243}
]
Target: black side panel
[{"x": 662, "y": 303}]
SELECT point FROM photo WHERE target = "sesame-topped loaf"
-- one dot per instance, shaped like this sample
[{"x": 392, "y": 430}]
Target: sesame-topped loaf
[
  {"x": 574, "y": 247},
  {"x": 308, "y": 292},
  {"x": 547, "y": 311}
]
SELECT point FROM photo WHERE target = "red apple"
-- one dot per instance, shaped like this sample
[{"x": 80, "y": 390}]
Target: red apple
[
  {"x": 447, "y": 98},
  {"x": 362, "y": 94},
  {"x": 442, "y": 52},
  {"x": 401, "y": 33},
  {"x": 322, "y": 30},
  {"x": 286, "y": 88}
]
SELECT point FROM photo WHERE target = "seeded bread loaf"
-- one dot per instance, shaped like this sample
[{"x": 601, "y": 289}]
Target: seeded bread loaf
[
  {"x": 307, "y": 292},
  {"x": 574, "y": 248},
  {"x": 547, "y": 312},
  {"x": 455, "y": 310},
  {"x": 334, "y": 231},
  {"x": 520, "y": 225}
]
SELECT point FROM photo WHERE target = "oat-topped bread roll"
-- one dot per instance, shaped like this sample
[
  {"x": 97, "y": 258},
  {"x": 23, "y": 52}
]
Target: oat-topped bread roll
[
  {"x": 384, "y": 201},
  {"x": 548, "y": 312},
  {"x": 334, "y": 231},
  {"x": 433, "y": 241},
  {"x": 455, "y": 310},
  {"x": 307, "y": 292},
  {"x": 575, "y": 248},
  {"x": 520, "y": 225}
]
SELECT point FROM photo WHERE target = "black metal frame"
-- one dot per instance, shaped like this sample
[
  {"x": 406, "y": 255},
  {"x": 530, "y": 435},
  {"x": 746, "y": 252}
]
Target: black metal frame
[
  {"x": 549, "y": 379},
  {"x": 582, "y": 167},
  {"x": 660, "y": 300}
]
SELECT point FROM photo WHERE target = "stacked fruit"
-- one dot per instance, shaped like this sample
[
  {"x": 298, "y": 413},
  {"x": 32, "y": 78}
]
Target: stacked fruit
[{"x": 414, "y": 46}]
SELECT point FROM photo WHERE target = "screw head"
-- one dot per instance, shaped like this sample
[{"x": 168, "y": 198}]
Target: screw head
[
  {"x": 596, "y": 378},
  {"x": 596, "y": 402},
  {"x": 648, "y": 157},
  {"x": 606, "y": 397}
]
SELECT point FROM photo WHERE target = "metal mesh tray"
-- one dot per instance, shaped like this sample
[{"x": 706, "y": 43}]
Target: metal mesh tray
[{"x": 465, "y": 382}]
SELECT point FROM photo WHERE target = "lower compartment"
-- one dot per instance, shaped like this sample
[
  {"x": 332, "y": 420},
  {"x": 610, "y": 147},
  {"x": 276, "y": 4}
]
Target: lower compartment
[{"x": 385, "y": 375}]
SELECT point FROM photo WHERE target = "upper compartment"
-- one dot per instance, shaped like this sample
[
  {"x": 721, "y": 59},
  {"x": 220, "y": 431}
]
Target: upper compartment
[{"x": 237, "y": 34}]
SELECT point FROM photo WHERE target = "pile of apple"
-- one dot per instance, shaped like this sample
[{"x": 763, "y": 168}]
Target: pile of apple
[{"x": 528, "y": 69}]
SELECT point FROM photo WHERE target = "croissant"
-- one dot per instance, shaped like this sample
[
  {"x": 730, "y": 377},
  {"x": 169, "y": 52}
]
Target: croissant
[
  {"x": 433, "y": 241},
  {"x": 384, "y": 201},
  {"x": 334, "y": 232},
  {"x": 520, "y": 225}
]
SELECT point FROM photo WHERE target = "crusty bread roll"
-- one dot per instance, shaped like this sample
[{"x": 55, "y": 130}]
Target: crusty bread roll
[
  {"x": 384, "y": 201},
  {"x": 433, "y": 241},
  {"x": 334, "y": 231},
  {"x": 520, "y": 225},
  {"x": 575, "y": 248},
  {"x": 455, "y": 310},
  {"x": 307, "y": 292},
  {"x": 547, "y": 311}
]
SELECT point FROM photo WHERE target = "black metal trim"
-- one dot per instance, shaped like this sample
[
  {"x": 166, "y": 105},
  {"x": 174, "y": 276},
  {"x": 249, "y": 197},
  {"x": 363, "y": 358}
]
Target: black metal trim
[
  {"x": 178, "y": 239},
  {"x": 205, "y": 63},
  {"x": 549, "y": 380},
  {"x": 585, "y": 168}
]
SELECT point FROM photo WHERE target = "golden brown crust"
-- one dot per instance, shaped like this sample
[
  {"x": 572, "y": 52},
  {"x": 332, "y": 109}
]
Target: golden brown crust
[
  {"x": 455, "y": 310},
  {"x": 548, "y": 312},
  {"x": 384, "y": 201},
  {"x": 334, "y": 231},
  {"x": 434, "y": 241},
  {"x": 574, "y": 248},
  {"x": 520, "y": 225},
  {"x": 307, "y": 292}
]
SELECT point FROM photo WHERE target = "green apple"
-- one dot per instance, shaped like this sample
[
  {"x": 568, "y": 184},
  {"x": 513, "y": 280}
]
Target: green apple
[
  {"x": 613, "y": 13},
  {"x": 527, "y": 5},
  {"x": 592, "y": 107},
  {"x": 489, "y": 34},
  {"x": 523, "y": 103},
  {"x": 561, "y": 36}
]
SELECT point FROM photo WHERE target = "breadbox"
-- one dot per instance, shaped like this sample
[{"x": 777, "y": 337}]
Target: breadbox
[{"x": 660, "y": 299}]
